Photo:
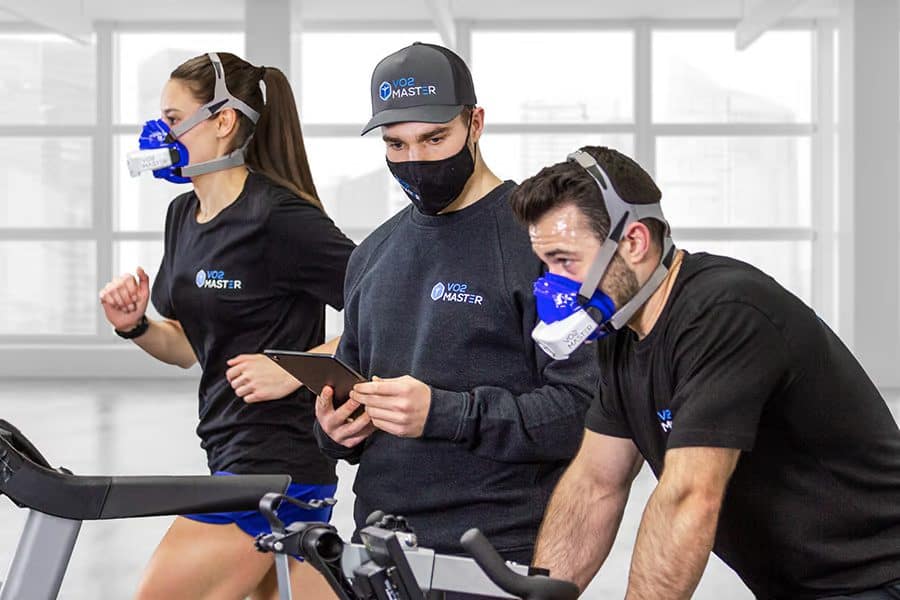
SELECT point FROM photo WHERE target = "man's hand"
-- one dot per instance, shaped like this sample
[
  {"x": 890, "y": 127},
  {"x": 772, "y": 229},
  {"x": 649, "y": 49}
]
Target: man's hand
[
  {"x": 338, "y": 424},
  {"x": 257, "y": 378},
  {"x": 398, "y": 406}
]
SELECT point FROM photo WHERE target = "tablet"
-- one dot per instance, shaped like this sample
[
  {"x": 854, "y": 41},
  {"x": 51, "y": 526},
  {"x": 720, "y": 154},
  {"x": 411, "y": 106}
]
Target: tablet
[{"x": 318, "y": 370}]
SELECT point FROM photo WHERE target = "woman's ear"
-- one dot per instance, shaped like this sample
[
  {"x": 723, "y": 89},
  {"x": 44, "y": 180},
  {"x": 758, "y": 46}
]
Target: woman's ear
[{"x": 226, "y": 122}]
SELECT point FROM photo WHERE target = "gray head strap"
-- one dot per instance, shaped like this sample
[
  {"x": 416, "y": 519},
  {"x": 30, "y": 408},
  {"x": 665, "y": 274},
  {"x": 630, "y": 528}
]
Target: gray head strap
[
  {"x": 621, "y": 214},
  {"x": 222, "y": 99}
]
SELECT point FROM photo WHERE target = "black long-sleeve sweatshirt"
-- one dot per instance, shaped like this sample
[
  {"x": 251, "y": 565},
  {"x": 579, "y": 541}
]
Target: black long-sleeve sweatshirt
[{"x": 448, "y": 300}]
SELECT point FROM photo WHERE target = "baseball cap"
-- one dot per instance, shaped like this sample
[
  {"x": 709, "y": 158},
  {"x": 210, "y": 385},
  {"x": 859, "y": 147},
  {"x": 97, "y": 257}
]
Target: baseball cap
[{"x": 424, "y": 83}]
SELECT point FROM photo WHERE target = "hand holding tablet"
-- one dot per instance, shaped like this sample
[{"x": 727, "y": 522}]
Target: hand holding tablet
[{"x": 316, "y": 371}]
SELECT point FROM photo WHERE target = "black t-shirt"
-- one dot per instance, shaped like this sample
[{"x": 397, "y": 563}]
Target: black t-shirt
[
  {"x": 735, "y": 361},
  {"x": 257, "y": 276}
]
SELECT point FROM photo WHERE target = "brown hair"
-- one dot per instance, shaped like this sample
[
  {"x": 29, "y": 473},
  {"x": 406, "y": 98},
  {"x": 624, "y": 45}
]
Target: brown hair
[
  {"x": 276, "y": 149},
  {"x": 568, "y": 183}
]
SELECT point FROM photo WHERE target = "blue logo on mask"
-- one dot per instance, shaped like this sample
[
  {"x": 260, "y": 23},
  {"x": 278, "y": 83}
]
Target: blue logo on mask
[
  {"x": 201, "y": 278},
  {"x": 155, "y": 134},
  {"x": 557, "y": 298},
  {"x": 437, "y": 291}
]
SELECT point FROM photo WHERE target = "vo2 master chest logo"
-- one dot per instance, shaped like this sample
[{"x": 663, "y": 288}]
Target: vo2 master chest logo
[
  {"x": 214, "y": 279},
  {"x": 665, "y": 419},
  {"x": 455, "y": 292}
]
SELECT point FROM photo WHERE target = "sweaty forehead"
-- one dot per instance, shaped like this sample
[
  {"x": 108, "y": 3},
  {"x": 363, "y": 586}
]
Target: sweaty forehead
[{"x": 563, "y": 224}]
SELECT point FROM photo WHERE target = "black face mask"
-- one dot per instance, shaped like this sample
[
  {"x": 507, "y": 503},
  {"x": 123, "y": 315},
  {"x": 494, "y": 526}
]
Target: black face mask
[{"x": 432, "y": 185}]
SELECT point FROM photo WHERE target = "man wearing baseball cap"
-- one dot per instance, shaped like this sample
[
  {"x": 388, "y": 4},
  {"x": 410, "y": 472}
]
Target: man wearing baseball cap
[{"x": 467, "y": 423}]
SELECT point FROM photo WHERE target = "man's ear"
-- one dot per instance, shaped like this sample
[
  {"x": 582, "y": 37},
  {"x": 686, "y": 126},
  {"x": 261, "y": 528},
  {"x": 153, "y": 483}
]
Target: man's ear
[
  {"x": 477, "y": 127},
  {"x": 637, "y": 243}
]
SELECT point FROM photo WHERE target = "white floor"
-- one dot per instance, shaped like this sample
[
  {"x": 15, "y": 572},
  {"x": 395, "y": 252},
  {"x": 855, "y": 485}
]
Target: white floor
[{"x": 140, "y": 427}]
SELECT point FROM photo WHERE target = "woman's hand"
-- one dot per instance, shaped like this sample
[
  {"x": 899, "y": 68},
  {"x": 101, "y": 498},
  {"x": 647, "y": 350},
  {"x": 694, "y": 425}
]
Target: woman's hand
[
  {"x": 258, "y": 378},
  {"x": 125, "y": 298}
]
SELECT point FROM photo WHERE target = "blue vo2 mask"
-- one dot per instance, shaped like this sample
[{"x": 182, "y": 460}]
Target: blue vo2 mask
[
  {"x": 572, "y": 313},
  {"x": 162, "y": 153}
]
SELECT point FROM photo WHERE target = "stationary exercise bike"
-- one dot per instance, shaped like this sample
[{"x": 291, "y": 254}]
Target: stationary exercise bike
[
  {"x": 389, "y": 564},
  {"x": 58, "y": 501}
]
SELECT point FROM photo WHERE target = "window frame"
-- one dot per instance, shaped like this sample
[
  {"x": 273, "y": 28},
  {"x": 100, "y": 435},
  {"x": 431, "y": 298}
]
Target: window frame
[{"x": 821, "y": 131}]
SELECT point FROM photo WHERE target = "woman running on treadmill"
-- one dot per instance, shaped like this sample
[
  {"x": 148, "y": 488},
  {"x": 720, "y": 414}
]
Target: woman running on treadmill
[{"x": 250, "y": 261}]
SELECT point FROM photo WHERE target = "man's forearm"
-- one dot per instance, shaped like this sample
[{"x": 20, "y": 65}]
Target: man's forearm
[
  {"x": 579, "y": 527},
  {"x": 673, "y": 545}
]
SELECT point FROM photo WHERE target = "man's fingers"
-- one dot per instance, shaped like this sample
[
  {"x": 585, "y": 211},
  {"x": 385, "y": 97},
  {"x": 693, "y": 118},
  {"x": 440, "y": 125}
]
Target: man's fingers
[
  {"x": 385, "y": 415},
  {"x": 376, "y": 401},
  {"x": 366, "y": 432},
  {"x": 323, "y": 404},
  {"x": 353, "y": 428},
  {"x": 244, "y": 390},
  {"x": 388, "y": 427},
  {"x": 346, "y": 409},
  {"x": 382, "y": 387}
]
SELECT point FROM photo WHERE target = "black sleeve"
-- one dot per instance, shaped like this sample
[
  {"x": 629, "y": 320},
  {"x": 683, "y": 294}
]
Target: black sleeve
[
  {"x": 727, "y": 363},
  {"x": 605, "y": 416},
  {"x": 348, "y": 351},
  {"x": 160, "y": 294},
  {"x": 335, "y": 451},
  {"x": 543, "y": 424},
  {"x": 307, "y": 252}
]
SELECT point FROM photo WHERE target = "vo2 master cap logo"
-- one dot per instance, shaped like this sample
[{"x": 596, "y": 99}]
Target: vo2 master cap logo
[{"x": 423, "y": 83}]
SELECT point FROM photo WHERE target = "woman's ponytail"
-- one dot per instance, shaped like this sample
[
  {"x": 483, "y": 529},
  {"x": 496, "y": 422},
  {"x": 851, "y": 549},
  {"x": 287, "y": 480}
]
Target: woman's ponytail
[{"x": 276, "y": 149}]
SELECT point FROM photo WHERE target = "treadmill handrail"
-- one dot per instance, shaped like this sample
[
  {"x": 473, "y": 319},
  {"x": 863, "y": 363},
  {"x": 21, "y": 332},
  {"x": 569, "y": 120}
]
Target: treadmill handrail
[{"x": 53, "y": 492}]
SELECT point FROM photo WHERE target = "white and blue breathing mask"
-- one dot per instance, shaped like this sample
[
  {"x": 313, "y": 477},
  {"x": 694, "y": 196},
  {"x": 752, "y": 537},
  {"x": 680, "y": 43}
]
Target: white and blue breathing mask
[
  {"x": 162, "y": 153},
  {"x": 572, "y": 313}
]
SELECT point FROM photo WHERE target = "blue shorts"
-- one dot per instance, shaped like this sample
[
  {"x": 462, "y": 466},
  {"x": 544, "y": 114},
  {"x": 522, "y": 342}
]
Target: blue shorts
[{"x": 252, "y": 522}]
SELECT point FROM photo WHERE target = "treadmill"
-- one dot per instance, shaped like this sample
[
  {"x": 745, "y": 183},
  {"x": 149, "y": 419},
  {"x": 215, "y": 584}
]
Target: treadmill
[{"x": 58, "y": 501}]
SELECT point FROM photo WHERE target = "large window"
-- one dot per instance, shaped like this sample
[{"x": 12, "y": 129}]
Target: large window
[
  {"x": 732, "y": 133},
  {"x": 48, "y": 250},
  {"x": 729, "y": 136}
]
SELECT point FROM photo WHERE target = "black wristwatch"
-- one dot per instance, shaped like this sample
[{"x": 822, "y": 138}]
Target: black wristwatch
[{"x": 138, "y": 330}]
